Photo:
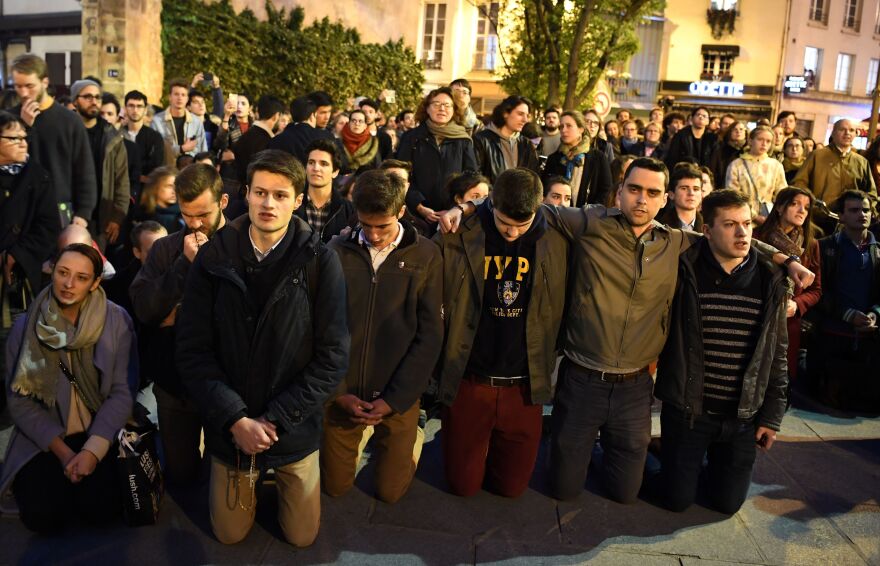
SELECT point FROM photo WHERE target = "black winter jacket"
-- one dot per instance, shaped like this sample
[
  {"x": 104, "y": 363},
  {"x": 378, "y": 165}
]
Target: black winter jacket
[
  {"x": 490, "y": 158},
  {"x": 432, "y": 166},
  {"x": 295, "y": 140},
  {"x": 282, "y": 363},
  {"x": 342, "y": 215},
  {"x": 29, "y": 222},
  {"x": 681, "y": 149},
  {"x": 680, "y": 369},
  {"x": 595, "y": 181}
]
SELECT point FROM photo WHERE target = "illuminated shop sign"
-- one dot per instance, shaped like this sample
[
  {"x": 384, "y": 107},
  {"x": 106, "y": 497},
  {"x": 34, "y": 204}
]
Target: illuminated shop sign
[
  {"x": 714, "y": 88},
  {"x": 794, "y": 84}
]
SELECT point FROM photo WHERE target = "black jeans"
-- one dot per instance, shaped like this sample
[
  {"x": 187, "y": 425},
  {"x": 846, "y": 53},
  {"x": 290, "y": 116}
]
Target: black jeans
[
  {"x": 731, "y": 448},
  {"x": 583, "y": 406},
  {"x": 47, "y": 500},
  {"x": 180, "y": 428}
]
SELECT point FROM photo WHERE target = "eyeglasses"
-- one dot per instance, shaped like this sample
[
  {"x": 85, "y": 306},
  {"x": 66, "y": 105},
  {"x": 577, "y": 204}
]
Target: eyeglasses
[
  {"x": 357, "y": 122},
  {"x": 89, "y": 96},
  {"x": 14, "y": 140},
  {"x": 437, "y": 105},
  {"x": 592, "y": 122}
]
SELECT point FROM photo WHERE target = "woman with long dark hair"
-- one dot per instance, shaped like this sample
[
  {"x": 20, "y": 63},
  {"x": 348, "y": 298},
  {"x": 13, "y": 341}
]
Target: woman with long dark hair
[
  {"x": 159, "y": 200},
  {"x": 733, "y": 144},
  {"x": 789, "y": 227},
  {"x": 584, "y": 167}
]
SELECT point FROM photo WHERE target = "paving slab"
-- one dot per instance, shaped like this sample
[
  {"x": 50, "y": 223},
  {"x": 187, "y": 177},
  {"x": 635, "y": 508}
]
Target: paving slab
[
  {"x": 829, "y": 424},
  {"x": 512, "y": 553}
]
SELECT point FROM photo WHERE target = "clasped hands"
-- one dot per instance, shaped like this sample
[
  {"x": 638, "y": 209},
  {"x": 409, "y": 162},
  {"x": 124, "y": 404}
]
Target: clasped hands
[{"x": 363, "y": 412}]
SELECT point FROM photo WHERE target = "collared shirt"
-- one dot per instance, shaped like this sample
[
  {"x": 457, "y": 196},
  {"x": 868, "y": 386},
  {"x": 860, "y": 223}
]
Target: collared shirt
[
  {"x": 687, "y": 225},
  {"x": 260, "y": 255},
  {"x": 317, "y": 217},
  {"x": 377, "y": 256}
]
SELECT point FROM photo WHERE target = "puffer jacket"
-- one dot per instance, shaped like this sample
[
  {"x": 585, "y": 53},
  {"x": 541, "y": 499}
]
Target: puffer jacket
[
  {"x": 680, "y": 370},
  {"x": 282, "y": 363}
]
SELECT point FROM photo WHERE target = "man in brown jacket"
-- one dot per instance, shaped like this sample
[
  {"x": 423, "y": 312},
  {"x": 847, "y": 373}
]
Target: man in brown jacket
[{"x": 394, "y": 279}]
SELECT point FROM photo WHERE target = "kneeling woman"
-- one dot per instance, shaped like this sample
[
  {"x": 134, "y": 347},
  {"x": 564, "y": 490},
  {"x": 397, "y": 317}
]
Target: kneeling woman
[{"x": 67, "y": 384}]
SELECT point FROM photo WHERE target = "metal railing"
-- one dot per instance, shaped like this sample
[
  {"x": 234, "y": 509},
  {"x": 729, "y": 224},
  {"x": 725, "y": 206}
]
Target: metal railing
[{"x": 633, "y": 90}]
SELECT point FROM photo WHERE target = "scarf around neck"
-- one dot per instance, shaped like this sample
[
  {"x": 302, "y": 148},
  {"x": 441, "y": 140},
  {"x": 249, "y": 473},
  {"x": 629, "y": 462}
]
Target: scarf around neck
[
  {"x": 50, "y": 340},
  {"x": 574, "y": 156},
  {"x": 14, "y": 168},
  {"x": 353, "y": 141},
  {"x": 448, "y": 131},
  {"x": 791, "y": 243},
  {"x": 359, "y": 148}
]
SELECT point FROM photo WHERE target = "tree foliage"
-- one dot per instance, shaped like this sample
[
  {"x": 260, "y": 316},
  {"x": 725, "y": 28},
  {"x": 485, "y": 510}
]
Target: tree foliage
[
  {"x": 283, "y": 57},
  {"x": 561, "y": 48}
]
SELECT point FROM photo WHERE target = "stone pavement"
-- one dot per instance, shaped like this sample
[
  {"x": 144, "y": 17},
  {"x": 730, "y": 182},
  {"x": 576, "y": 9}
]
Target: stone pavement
[{"x": 815, "y": 499}]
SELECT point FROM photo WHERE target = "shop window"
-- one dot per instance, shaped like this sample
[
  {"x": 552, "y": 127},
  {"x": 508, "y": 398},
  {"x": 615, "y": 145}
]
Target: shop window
[
  {"x": 852, "y": 10},
  {"x": 873, "y": 66},
  {"x": 486, "y": 48},
  {"x": 812, "y": 65},
  {"x": 819, "y": 11},
  {"x": 434, "y": 32},
  {"x": 843, "y": 75}
]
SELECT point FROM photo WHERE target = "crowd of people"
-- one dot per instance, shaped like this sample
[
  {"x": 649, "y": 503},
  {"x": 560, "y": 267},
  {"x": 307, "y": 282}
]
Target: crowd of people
[{"x": 298, "y": 285}]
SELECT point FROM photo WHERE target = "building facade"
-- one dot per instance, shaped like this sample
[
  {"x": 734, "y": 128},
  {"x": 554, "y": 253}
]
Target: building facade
[{"x": 831, "y": 64}]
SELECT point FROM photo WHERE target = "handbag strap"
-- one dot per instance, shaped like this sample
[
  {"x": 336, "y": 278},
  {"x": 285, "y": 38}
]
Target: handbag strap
[{"x": 4, "y": 297}]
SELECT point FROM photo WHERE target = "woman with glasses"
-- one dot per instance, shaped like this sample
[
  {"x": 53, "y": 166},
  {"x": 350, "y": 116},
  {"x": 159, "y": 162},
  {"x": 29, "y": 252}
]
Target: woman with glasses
[
  {"x": 28, "y": 220},
  {"x": 438, "y": 148},
  {"x": 357, "y": 146},
  {"x": 693, "y": 143},
  {"x": 594, "y": 126},
  {"x": 586, "y": 169}
]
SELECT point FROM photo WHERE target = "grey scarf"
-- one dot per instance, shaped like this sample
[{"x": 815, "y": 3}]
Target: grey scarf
[{"x": 50, "y": 340}]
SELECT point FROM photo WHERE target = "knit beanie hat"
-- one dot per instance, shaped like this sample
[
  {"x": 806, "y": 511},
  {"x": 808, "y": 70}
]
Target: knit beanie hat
[{"x": 77, "y": 87}]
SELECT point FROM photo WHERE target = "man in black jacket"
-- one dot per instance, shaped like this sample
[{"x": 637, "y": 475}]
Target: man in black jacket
[
  {"x": 323, "y": 208},
  {"x": 262, "y": 343},
  {"x": 693, "y": 143},
  {"x": 722, "y": 374},
  {"x": 296, "y": 137},
  {"x": 685, "y": 195},
  {"x": 500, "y": 146},
  {"x": 156, "y": 294},
  {"x": 259, "y": 135},
  {"x": 394, "y": 279},
  {"x": 148, "y": 141}
]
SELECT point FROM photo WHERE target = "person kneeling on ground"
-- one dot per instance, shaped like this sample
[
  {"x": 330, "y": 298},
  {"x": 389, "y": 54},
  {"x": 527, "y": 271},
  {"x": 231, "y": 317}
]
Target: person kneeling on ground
[{"x": 394, "y": 279}]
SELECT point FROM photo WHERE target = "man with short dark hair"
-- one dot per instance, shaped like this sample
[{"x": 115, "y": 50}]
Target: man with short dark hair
[
  {"x": 550, "y": 137},
  {"x": 461, "y": 95},
  {"x": 396, "y": 336},
  {"x": 623, "y": 115},
  {"x": 258, "y": 136},
  {"x": 151, "y": 148},
  {"x": 156, "y": 295},
  {"x": 504, "y": 281},
  {"x": 723, "y": 381},
  {"x": 371, "y": 109},
  {"x": 685, "y": 196},
  {"x": 788, "y": 120},
  {"x": 57, "y": 140},
  {"x": 110, "y": 110},
  {"x": 111, "y": 162},
  {"x": 629, "y": 139},
  {"x": 500, "y": 146},
  {"x": 297, "y": 136},
  {"x": 263, "y": 343},
  {"x": 406, "y": 121},
  {"x": 323, "y": 108},
  {"x": 323, "y": 208},
  {"x": 181, "y": 130},
  {"x": 841, "y": 364}
]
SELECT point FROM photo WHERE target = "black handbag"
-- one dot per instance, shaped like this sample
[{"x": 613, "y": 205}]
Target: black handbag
[{"x": 140, "y": 477}]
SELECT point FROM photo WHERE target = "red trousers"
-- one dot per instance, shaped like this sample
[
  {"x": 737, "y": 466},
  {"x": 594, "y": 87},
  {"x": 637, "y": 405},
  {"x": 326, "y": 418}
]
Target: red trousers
[{"x": 490, "y": 435}]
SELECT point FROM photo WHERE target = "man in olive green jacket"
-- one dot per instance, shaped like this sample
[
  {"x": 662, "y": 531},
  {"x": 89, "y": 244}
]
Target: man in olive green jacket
[{"x": 504, "y": 297}]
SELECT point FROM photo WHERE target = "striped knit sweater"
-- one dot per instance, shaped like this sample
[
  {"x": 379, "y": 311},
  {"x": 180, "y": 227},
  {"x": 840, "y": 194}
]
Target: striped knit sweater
[{"x": 731, "y": 307}]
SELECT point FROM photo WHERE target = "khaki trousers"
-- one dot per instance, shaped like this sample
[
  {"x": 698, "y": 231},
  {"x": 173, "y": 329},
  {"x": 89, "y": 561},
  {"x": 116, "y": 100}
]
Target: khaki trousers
[
  {"x": 299, "y": 501},
  {"x": 397, "y": 442}
]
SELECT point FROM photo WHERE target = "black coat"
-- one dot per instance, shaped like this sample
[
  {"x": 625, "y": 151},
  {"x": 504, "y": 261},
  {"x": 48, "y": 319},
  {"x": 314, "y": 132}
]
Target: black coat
[
  {"x": 342, "y": 215},
  {"x": 680, "y": 370},
  {"x": 283, "y": 362},
  {"x": 490, "y": 158},
  {"x": 722, "y": 157},
  {"x": 681, "y": 148},
  {"x": 432, "y": 166},
  {"x": 595, "y": 181},
  {"x": 295, "y": 140},
  {"x": 29, "y": 222},
  {"x": 638, "y": 150}
]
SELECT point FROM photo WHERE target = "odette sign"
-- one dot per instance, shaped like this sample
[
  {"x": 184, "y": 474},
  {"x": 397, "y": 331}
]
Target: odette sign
[
  {"x": 795, "y": 84},
  {"x": 714, "y": 88}
]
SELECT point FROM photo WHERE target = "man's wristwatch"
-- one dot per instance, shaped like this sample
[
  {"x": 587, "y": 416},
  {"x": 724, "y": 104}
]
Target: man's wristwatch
[{"x": 791, "y": 259}]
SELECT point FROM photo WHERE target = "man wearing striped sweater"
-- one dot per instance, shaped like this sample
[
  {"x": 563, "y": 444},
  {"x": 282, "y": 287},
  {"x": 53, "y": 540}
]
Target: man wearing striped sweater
[{"x": 722, "y": 374}]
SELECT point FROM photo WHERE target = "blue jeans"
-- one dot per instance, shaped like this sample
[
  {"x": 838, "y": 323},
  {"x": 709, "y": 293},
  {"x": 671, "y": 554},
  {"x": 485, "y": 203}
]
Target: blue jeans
[
  {"x": 583, "y": 406},
  {"x": 730, "y": 446}
]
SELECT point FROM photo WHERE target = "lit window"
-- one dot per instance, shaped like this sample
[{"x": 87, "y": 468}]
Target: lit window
[
  {"x": 435, "y": 30},
  {"x": 819, "y": 11},
  {"x": 851, "y": 13},
  {"x": 843, "y": 76},
  {"x": 486, "y": 48},
  {"x": 723, "y": 4},
  {"x": 873, "y": 66},
  {"x": 812, "y": 65}
]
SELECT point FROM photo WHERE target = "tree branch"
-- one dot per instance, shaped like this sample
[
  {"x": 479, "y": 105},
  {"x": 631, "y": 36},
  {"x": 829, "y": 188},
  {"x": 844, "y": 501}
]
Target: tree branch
[{"x": 574, "y": 55}]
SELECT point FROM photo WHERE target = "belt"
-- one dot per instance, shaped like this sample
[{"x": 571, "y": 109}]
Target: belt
[
  {"x": 610, "y": 377},
  {"x": 498, "y": 381}
]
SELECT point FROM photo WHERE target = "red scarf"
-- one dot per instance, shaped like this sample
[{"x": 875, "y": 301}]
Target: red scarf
[{"x": 353, "y": 141}]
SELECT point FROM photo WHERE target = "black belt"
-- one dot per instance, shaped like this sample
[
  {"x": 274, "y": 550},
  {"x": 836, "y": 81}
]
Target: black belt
[
  {"x": 610, "y": 377},
  {"x": 498, "y": 381}
]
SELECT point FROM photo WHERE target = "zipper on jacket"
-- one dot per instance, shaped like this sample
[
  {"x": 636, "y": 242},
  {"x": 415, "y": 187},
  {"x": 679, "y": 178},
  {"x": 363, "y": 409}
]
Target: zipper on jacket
[
  {"x": 637, "y": 266},
  {"x": 368, "y": 336}
]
